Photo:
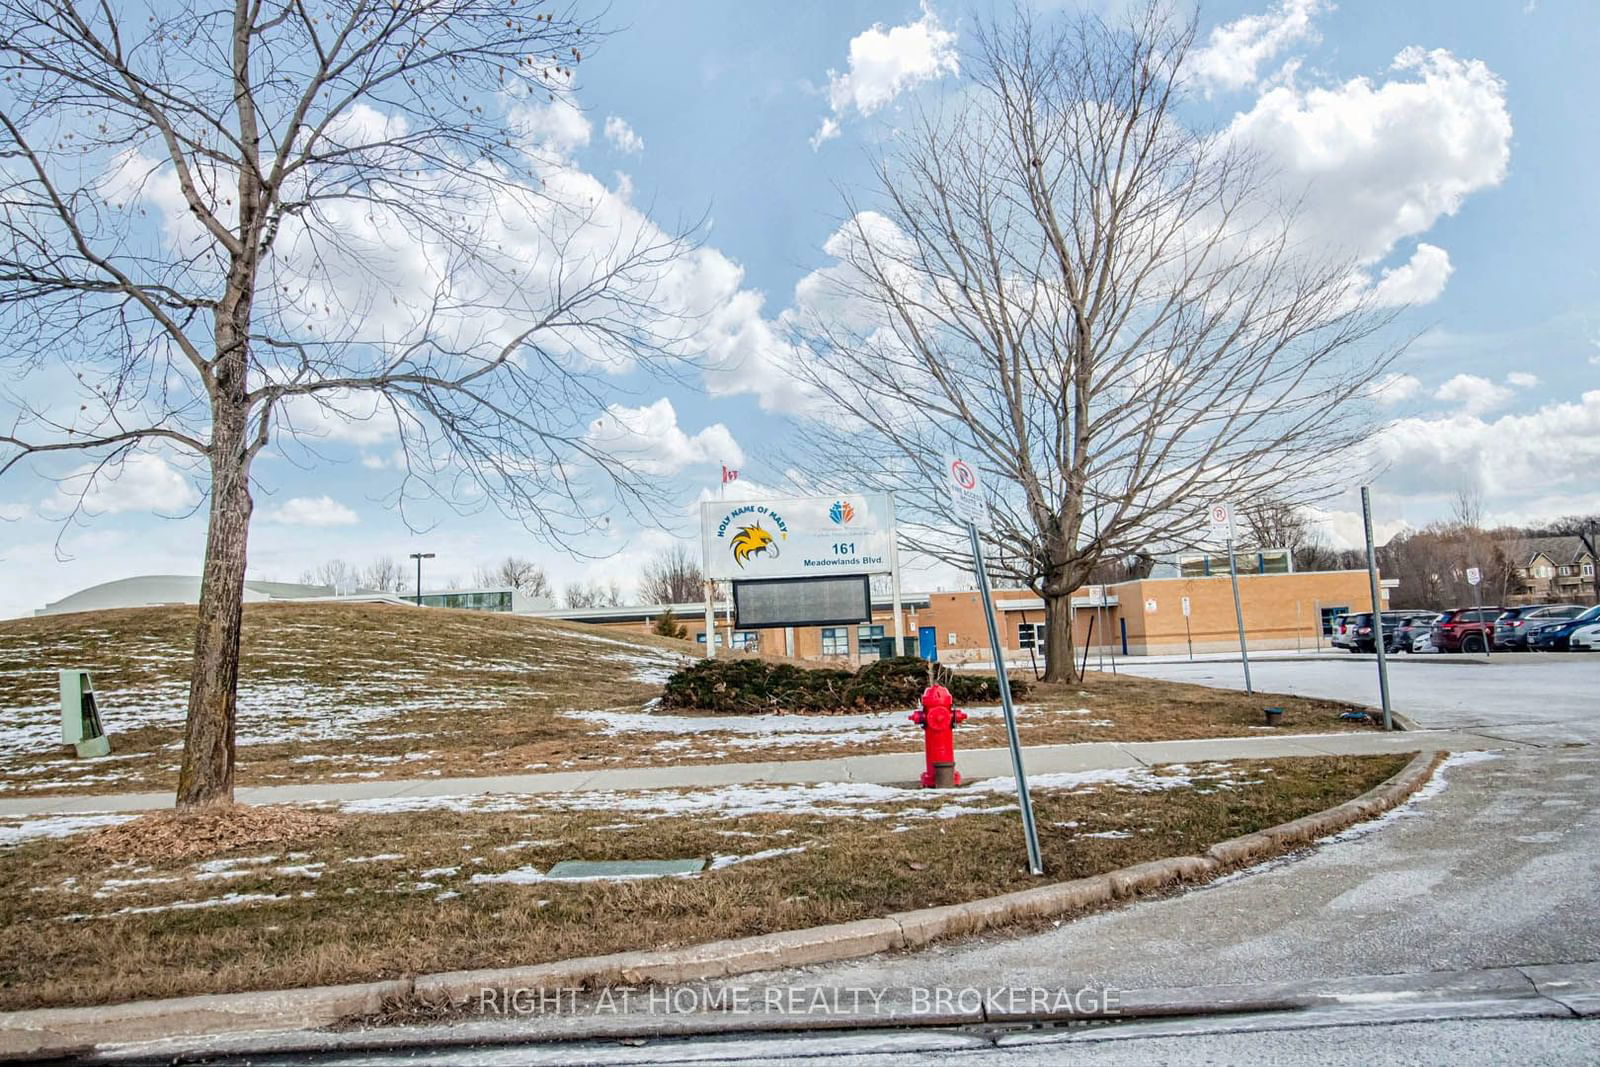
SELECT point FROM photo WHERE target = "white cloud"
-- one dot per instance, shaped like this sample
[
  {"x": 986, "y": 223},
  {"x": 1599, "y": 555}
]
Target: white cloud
[
  {"x": 1236, "y": 50},
  {"x": 649, "y": 440},
  {"x": 1521, "y": 379},
  {"x": 1472, "y": 394},
  {"x": 621, "y": 135},
  {"x": 1513, "y": 457},
  {"x": 143, "y": 481},
  {"x": 555, "y": 125},
  {"x": 885, "y": 63},
  {"x": 1421, "y": 280},
  {"x": 1374, "y": 164},
  {"x": 312, "y": 511},
  {"x": 1346, "y": 529},
  {"x": 1394, "y": 388}
]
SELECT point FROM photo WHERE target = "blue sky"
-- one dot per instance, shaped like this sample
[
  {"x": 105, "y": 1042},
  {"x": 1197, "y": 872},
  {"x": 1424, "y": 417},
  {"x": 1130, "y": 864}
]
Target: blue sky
[{"x": 1478, "y": 150}]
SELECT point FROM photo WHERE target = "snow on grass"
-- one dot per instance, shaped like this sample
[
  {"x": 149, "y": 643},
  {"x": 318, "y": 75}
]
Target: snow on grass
[
  {"x": 776, "y": 730},
  {"x": 55, "y": 826},
  {"x": 828, "y": 799},
  {"x": 226, "y": 901},
  {"x": 719, "y": 862}
]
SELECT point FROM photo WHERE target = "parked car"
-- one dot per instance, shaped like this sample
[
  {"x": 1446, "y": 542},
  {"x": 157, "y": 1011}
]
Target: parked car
[
  {"x": 1359, "y": 636},
  {"x": 1414, "y": 625},
  {"x": 1512, "y": 627},
  {"x": 1557, "y": 636},
  {"x": 1342, "y": 632},
  {"x": 1466, "y": 630},
  {"x": 1424, "y": 643},
  {"x": 1585, "y": 638}
]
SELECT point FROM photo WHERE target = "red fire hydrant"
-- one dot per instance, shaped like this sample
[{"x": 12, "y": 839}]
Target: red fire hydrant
[{"x": 938, "y": 719}]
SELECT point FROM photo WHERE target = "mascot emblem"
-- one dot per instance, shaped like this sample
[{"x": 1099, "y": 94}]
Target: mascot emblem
[{"x": 752, "y": 541}]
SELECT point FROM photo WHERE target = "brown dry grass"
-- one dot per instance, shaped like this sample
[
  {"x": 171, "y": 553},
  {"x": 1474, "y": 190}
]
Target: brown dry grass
[
  {"x": 69, "y": 934},
  {"x": 373, "y": 691}
]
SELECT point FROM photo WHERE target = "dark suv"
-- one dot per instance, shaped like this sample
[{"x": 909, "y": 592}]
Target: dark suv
[
  {"x": 1466, "y": 630},
  {"x": 1358, "y": 631},
  {"x": 1511, "y": 629}
]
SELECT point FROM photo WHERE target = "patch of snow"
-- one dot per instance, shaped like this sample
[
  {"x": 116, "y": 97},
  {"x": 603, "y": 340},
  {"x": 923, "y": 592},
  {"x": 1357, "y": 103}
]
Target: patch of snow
[
  {"x": 303, "y": 870},
  {"x": 226, "y": 901},
  {"x": 438, "y": 872},
  {"x": 223, "y": 866},
  {"x": 517, "y": 876},
  {"x": 720, "y": 862},
  {"x": 382, "y": 857},
  {"x": 55, "y": 826}
]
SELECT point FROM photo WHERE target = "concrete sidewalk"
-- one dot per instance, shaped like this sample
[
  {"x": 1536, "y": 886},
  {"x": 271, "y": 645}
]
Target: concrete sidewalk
[{"x": 886, "y": 768}]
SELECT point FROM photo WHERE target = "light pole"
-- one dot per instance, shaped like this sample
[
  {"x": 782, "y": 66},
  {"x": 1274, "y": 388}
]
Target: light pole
[{"x": 419, "y": 557}]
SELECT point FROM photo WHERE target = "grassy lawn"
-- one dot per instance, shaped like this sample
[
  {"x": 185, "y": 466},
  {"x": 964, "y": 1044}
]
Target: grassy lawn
[
  {"x": 334, "y": 692},
  {"x": 433, "y": 884}
]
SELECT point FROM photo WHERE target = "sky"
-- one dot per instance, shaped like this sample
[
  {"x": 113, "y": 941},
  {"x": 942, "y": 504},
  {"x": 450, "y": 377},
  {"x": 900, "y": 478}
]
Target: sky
[{"x": 1452, "y": 142}]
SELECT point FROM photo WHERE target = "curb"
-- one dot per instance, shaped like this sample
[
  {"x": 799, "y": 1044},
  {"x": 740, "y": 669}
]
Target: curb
[{"x": 64, "y": 1032}]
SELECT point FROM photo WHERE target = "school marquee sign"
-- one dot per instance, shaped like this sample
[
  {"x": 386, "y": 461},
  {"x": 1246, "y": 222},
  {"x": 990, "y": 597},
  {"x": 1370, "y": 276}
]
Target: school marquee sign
[{"x": 804, "y": 537}]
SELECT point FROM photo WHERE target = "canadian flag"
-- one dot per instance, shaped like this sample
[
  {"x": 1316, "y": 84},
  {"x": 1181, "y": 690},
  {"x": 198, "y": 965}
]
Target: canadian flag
[{"x": 728, "y": 475}]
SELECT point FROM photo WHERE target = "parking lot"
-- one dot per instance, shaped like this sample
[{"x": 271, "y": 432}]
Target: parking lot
[{"x": 1555, "y": 695}]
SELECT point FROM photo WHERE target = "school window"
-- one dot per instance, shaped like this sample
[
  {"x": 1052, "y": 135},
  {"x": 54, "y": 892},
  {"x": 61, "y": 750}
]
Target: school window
[
  {"x": 702, "y": 638},
  {"x": 748, "y": 640},
  {"x": 835, "y": 641},
  {"x": 869, "y": 634}
]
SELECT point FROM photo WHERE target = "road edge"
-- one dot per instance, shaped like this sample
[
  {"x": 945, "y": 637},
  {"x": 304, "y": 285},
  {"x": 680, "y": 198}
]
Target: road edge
[{"x": 64, "y": 1032}]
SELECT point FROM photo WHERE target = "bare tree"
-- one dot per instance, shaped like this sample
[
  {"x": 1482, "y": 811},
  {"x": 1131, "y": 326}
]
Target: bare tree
[
  {"x": 1110, "y": 310},
  {"x": 523, "y": 575},
  {"x": 337, "y": 574},
  {"x": 228, "y": 225},
  {"x": 383, "y": 575},
  {"x": 1270, "y": 523},
  {"x": 672, "y": 577}
]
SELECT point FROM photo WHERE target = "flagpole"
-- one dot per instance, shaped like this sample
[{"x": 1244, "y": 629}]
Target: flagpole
[{"x": 722, "y": 494}]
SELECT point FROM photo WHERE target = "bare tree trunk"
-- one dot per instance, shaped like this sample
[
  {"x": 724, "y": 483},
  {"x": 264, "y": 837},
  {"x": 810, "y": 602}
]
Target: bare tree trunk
[
  {"x": 1058, "y": 652},
  {"x": 207, "y": 773}
]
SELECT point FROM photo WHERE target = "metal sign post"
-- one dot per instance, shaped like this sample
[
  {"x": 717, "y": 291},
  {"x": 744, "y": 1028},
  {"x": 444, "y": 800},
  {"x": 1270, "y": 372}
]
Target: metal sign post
[
  {"x": 1221, "y": 516},
  {"x": 1475, "y": 579},
  {"x": 1188, "y": 638},
  {"x": 966, "y": 500},
  {"x": 1378, "y": 641}
]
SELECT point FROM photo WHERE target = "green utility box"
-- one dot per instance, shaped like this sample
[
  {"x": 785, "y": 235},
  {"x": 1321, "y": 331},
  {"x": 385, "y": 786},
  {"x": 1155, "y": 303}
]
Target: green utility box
[{"x": 80, "y": 718}]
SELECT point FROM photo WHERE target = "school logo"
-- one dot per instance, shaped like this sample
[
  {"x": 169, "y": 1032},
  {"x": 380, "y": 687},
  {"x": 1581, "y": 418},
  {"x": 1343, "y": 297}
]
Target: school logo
[
  {"x": 752, "y": 541},
  {"x": 842, "y": 512}
]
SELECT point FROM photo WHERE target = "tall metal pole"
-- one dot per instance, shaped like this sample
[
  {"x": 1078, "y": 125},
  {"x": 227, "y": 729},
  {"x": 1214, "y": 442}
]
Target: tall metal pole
[
  {"x": 1377, "y": 608},
  {"x": 894, "y": 584},
  {"x": 1238, "y": 610},
  {"x": 711, "y": 619},
  {"x": 1029, "y": 831},
  {"x": 419, "y": 557}
]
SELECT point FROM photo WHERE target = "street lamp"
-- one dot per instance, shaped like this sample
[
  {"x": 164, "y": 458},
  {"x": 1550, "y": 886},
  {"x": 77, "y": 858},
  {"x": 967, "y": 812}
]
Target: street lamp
[{"x": 419, "y": 557}]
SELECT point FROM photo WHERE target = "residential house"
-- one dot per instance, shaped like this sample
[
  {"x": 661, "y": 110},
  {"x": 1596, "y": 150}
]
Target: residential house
[{"x": 1552, "y": 570}]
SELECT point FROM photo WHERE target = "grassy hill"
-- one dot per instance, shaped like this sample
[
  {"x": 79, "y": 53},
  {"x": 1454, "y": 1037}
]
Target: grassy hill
[{"x": 327, "y": 691}]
